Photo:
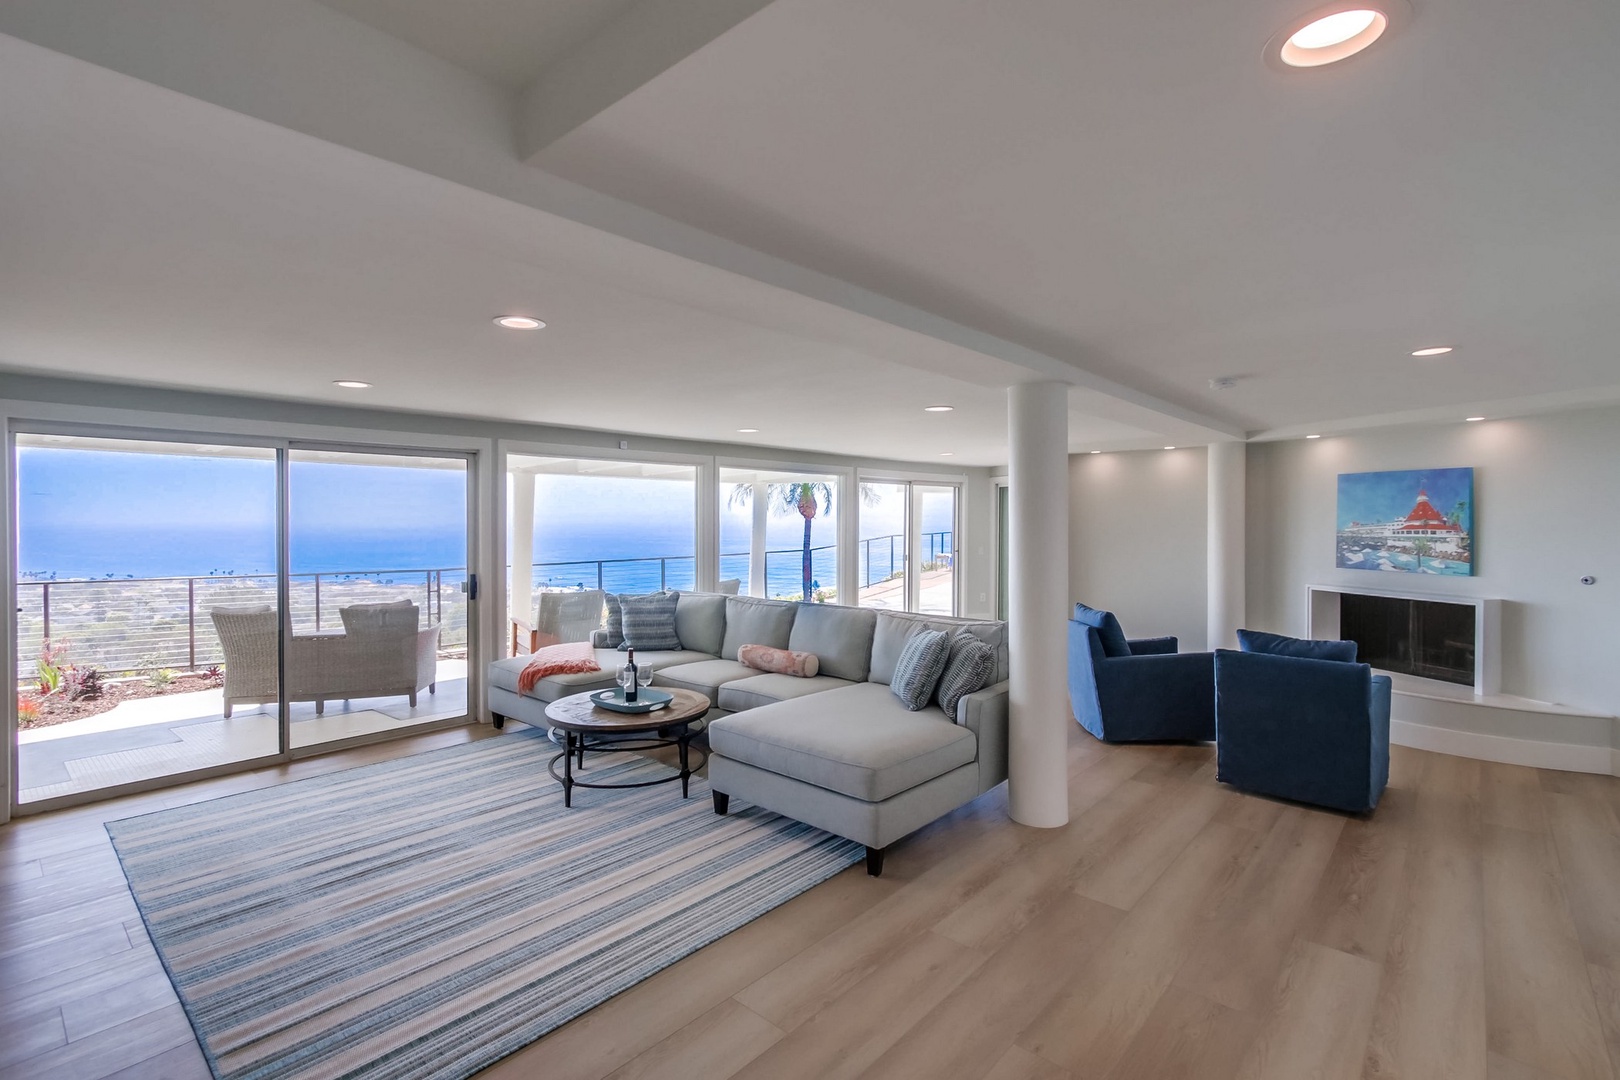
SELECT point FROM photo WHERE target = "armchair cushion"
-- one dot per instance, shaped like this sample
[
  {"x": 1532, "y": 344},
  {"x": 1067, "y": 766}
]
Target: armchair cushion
[
  {"x": 1108, "y": 629},
  {"x": 1258, "y": 641},
  {"x": 397, "y": 618}
]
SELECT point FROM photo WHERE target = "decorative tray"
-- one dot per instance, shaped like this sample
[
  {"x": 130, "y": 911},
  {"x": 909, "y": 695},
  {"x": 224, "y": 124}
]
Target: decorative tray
[{"x": 647, "y": 700}]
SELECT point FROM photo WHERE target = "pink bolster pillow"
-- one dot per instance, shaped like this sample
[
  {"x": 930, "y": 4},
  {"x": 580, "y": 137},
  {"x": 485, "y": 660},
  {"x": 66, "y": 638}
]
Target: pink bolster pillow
[{"x": 803, "y": 665}]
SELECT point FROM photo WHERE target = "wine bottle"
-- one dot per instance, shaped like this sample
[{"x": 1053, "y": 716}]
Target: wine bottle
[{"x": 630, "y": 691}]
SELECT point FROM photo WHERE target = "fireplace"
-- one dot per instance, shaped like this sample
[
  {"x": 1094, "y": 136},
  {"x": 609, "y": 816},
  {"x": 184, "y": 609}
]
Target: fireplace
[{"x": 1428, "y": 638}]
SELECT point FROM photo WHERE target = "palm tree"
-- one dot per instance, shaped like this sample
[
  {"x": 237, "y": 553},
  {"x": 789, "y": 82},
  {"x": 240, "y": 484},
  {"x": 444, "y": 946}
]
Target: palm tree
[{"x": 805, "y": 498}]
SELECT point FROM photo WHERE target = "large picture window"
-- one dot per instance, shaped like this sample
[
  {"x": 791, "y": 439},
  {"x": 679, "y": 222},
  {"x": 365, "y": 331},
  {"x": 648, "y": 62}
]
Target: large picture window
[
  {"x": 779, "y": 534},
  {"x": 579, "y": 528}
]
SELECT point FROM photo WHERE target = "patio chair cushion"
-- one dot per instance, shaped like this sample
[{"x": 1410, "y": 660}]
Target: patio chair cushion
[
  {"x": 706, "y": 677},
  {"x": 399, "y": 617},
  {"x": 1109, "y": 632},
  {"x": 750, "y": 621},
  {"x": 649, "y": 621},
  {"x": 840, "y": 637},
  {"x": 856, "y": 740},
  {"x": 758, "y": 690}
]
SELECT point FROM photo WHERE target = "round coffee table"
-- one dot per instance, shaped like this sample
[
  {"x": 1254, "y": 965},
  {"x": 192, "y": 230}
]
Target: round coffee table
[{"x": 578, "y": 718}]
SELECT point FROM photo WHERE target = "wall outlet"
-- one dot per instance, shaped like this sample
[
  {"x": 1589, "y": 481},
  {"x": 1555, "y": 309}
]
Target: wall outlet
[
  {"x": 983, "y": 597},
  {"x": 624, "y": 444}
]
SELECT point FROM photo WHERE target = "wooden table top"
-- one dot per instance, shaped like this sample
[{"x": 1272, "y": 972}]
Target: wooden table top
[{"x": 577, "y": 713}]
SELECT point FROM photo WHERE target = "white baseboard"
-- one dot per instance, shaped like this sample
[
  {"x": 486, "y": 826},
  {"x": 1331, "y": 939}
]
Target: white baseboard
[{"x": 1568, "y": 757}]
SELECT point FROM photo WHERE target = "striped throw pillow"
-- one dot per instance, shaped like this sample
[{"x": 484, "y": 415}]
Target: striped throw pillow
[
  {"x": 649, "y": 621},
  {"x": 969, "y": 667},
  {"x": 917, "y": 672},
  {"x": 613, "y": 624}
]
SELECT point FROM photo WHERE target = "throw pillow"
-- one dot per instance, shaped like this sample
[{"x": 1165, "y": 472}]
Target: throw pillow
[
  {"x": 801, "y": 665},
  {"x": 649, "y": 621},
  {"x": 921, "y": 663},
  {"x": 1258, "y": 641},
  {"x": 968, "y": 667},
  {"x": 613, "y": 622},
  {"x": 566, "y": 659},
  {"x": 1109, "y": 632}
]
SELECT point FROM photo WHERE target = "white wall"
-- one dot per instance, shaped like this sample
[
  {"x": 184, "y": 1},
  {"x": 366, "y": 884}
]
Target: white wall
[
  {"x": 1547, "y": 505},
  {"x": 1137, "y": 528}
]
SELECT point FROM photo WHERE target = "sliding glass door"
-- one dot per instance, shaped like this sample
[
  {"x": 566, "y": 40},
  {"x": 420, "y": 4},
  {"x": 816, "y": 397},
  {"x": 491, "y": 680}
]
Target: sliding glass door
[
  {"x": 377, "y": 616},
  {"x": 188, "y": 606},
  {"x": 147, "y": 610},
  {"x": 908, "y": 535}
]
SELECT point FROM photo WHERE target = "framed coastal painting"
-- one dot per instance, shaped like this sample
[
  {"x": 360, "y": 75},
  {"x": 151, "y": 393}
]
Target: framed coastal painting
[{"x": 1418, "y": 521}]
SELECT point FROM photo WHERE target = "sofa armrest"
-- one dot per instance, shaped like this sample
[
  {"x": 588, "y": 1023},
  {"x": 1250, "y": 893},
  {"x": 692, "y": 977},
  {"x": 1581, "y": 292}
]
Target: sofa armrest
[
  {"x": 984, "y": 712},
  {"x": 1153, "y": 646}
]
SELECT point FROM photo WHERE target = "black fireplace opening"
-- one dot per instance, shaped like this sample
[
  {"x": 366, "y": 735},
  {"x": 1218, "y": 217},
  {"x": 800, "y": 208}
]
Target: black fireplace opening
[{"x": 1430, "y": 638}]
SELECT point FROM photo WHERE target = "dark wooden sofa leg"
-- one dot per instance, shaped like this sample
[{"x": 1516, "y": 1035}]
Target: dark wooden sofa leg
[
  {"x": 498, "y": 720},
  {"x": 874, "y": 861},
  {"x": 722, "y": 802}
]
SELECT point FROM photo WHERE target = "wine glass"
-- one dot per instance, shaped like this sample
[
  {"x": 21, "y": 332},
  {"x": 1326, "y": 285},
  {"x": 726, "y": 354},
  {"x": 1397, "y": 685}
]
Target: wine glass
[
  {"x": 644, "y": 674},
  {"x": 626, "y": 678}
]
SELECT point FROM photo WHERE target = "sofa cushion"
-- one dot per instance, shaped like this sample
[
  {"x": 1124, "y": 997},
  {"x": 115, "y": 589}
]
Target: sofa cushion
[
  {"x": 706, "y": 676},
  {"x": 700, "y": 621},
  {"x": 968, "y": 668},
  {"x": 841, "y": 638},
  {"x": 504, "y": 673},
  {"x": 1109, "y": 632},
  {"x": 1258, "y": 641},
  {"x": 921, "y": 663},
  {"x": 894, "y": 628},
  {"x": 752, "y": 621},
  {"x": 757, "y": 690},
  {"x": 858, "y": 740}
]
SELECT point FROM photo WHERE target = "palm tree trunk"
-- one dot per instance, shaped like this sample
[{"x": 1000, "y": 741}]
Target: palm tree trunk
[{"x": 806, "y": 595}]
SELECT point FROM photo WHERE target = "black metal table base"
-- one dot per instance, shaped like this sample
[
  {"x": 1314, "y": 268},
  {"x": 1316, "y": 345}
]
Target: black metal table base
[{"x": 575, "y": 743}]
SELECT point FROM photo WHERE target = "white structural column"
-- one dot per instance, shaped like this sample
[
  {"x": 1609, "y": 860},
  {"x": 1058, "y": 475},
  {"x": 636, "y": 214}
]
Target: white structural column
[
  {"x": 761, "y": 501},
  {"x": 520, "y": 602},
  {"x": 1038, "y": 600},
  {"x": 1228, "y": 506}
]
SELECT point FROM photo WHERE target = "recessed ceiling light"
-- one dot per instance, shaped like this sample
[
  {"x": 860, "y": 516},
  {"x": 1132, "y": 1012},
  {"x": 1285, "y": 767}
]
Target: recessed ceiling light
[
  {"x": 1096, "y": 451},
  {"x": 351, "y": 384},
  {"x": 1438, "y": 350},
  {"x": 1313, "y": 436},
  {"x": 748, "y": 431},
  {"x": 948, "y": 453},
  {"x": 1473, "y": 419},
  {"x": 1334, "y": 32},
  {"x": 938, "y": 408},
  {"x": 519, "y": 322},
  {"x": 1169, "y": 448}
]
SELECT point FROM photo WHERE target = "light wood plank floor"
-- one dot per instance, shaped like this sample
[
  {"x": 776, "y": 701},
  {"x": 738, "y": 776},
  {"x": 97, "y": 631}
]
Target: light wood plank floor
[{"x": 1174, "y": 929}]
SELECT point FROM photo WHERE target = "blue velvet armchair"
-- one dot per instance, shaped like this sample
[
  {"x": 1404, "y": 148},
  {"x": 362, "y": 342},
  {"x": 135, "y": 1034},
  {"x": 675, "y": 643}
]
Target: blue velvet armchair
[
  {"x": 1316, "y": 731},
  {"x": 1137, "y": 691}
]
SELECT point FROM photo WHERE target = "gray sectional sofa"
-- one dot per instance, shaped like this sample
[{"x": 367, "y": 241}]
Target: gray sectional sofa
[{"x": 839, "y": 750}]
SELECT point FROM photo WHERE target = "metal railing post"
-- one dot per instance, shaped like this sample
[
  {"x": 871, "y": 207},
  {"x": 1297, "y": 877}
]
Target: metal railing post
[
  {"x": 317, "y": 603},
  {"x": 45, "y": 609},
  {"x": 191, "y": 623},
  {"x": 599, "y": 586},
  {"x": 663, "y": 575}
]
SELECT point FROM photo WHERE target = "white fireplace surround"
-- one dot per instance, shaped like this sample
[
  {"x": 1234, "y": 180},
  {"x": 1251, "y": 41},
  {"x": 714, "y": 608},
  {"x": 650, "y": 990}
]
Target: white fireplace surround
[{"x": 1322, "y": 621}]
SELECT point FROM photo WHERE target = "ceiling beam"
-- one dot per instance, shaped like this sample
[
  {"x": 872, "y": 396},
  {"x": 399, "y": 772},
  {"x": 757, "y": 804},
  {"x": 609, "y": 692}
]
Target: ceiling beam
[{"x": 642, "y": 43}]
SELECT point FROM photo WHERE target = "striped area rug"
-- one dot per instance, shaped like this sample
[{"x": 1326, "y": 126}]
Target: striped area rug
[{"x": 427, "y": 916}]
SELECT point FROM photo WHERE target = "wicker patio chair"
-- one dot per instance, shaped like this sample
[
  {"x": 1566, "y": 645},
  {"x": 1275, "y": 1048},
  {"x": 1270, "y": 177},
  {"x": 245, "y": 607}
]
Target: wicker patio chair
[{"x": 247, "y": 634}]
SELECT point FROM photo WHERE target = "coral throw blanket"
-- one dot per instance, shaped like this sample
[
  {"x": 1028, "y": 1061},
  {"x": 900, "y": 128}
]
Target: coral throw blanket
[{"x": 568, "y": 658}]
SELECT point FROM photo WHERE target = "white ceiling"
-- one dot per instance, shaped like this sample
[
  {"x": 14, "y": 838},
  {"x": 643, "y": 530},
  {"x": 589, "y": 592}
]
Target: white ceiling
[
  {"x": 153, "y": 238},
  {"x": 1125, "y": 189},
  {"x": 1129, "y": 187},
  {"x": 507, "y": 42}
]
